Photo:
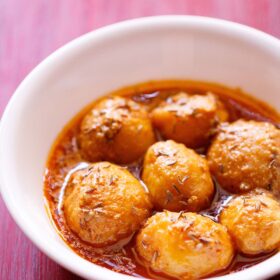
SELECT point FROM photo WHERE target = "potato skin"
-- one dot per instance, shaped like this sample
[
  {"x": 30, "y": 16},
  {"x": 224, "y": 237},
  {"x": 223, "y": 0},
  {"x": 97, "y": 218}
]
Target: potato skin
[
  {"x": 177, "y": 177},
  {"x": 116, "y": 129},
  {"x": 246, "y": 155},
  {"x": 184, "y": 245},
  {"x": 189, "y": 119},
  {"x": 253, "y": 220},
  {"x": 104, "y": 203}
]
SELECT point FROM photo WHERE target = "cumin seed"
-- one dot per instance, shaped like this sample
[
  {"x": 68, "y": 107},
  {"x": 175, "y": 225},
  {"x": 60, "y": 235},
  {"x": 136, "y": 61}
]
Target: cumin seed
[
  {"x": 180, "y": 215},
  {"x": 176, "y": 188},
  {"x": 111, "y": 180},
  {"x": 155, "y": 256},
  {"x": 183, "y": 202},
  {"x": 204, "y": 240},
  {"x": 263, "y": 203},
  {"x": 183, "y": 180},
  {"x": 170, "y": 162},
  {"x": 145, "y": 246},
  {"x": 258, "y": 206}
]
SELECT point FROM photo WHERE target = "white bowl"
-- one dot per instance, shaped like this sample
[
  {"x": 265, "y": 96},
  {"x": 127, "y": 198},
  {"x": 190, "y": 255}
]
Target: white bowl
[{"x": 167, "y": 47}]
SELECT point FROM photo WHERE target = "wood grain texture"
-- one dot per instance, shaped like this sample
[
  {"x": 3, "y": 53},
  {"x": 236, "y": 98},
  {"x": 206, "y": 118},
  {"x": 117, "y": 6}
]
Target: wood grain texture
[{"x": 31, "y": 30}]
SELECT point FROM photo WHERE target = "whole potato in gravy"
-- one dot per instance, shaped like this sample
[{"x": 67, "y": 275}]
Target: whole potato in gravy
[
  {"x": 246, "y": 155},
  {"x": 189, "y": 119},
  {"x": 253, "y": 220},
  {"x": 116, "y": 129},
  {"x": 177, "y": 177},
  {"x": 184, "y": 245},
  {"x": 104, "y": 203}
]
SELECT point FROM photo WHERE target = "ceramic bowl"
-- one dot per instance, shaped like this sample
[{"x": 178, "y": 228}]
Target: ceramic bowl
[{"x": 156, "y": 48}]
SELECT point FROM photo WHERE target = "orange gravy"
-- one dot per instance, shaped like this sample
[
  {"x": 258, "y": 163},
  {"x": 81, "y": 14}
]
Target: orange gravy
[{"x": 64, "y": 158}]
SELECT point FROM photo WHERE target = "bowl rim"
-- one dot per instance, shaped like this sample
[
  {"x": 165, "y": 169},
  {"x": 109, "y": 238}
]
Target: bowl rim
[{"x": 257, "y": 37}]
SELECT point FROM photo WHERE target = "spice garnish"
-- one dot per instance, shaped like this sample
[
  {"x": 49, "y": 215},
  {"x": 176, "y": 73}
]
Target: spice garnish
[
  {"x": 180, "y": 215},
  {"x": 160, "y": 153},
  {"x": 263, "y": 203},
  {"x": 176, "y": 188},
  {"x": 258, "y": 206},
  {"x": 183, "y": 202},
  {"x": 155, "y": 256},
  {"x": 111, "y": 180},
  {"x": 90, "y": 191},
  {"x": 244, "y": 198},
  {"x": 170, "y": 162},
  {"x": 188, "y": 225},
  {"x": 182, "y": 180},
  {"x": 272, "y": 163},
  {"x": 99, "y": 204},
  {"x": 88, "y": 171},
  {"x": 204, "y": 240},
  {"x": 192, "y": 236},
  {"x": 144, "y": 244}
]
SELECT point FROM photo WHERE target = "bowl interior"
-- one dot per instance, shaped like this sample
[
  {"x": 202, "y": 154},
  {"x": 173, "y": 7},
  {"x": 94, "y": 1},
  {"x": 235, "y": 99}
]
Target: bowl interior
[{"x": 105, "y": 60}]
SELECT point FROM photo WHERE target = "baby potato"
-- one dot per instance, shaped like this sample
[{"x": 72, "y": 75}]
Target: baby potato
[
  {"x": 246, "y": 155},
  {"x": 253, "y": 220},
  {"x": 184, "y": 245},
  {"x": 189, "y": 119},
  {"x": 177, "y": 177},
  {"x": 116, "y": 129},
  {"x": 105, "y": 203}
]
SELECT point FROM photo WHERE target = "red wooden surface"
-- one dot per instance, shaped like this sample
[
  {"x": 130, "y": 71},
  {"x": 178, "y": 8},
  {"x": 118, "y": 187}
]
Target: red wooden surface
[{"x": 31, "y": 30}]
